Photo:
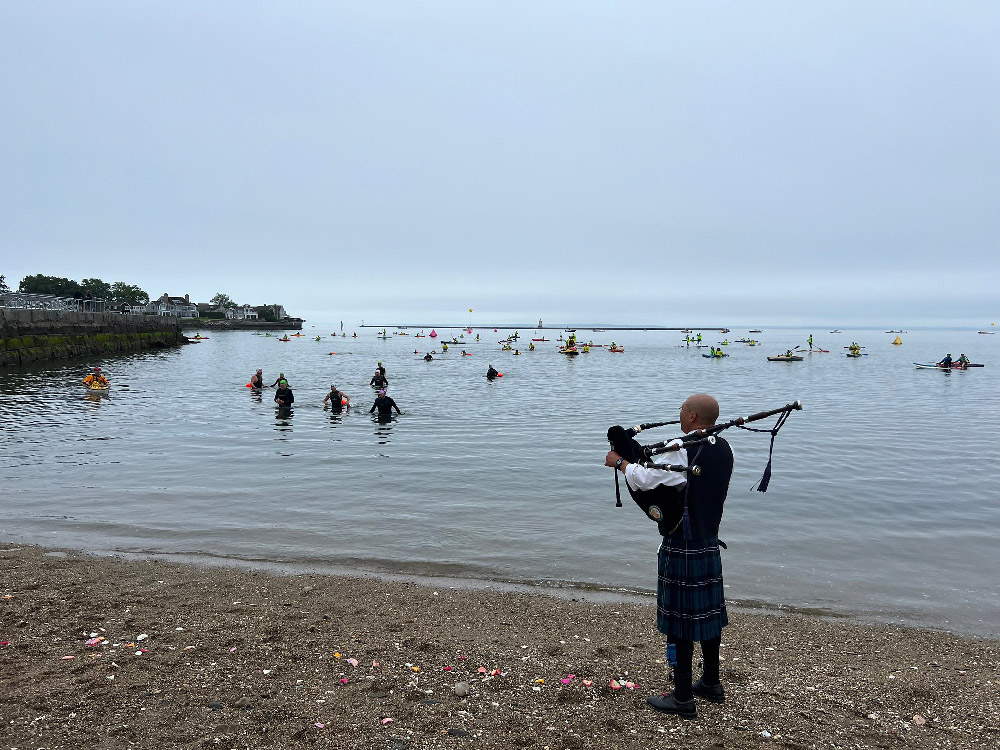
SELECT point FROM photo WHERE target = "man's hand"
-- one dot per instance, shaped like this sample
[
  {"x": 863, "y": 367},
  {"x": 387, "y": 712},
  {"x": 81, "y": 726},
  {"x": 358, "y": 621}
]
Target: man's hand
[{"x": 611, "y": 458}]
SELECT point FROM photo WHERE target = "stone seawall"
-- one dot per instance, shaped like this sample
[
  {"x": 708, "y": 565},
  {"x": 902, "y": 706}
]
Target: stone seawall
[
  {"x": 38, "y": 335},
  {"x": 286, "y": 324}
]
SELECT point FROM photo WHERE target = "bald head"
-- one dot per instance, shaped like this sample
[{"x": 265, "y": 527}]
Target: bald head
[{"x": 701, "y": 410}]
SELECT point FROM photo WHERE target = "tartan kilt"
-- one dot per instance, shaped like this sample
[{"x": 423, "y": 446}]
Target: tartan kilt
[{"x": 690, "y": 601}]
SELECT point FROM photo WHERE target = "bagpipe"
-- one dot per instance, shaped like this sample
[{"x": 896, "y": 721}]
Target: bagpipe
[{"x": 623, "y": 442}]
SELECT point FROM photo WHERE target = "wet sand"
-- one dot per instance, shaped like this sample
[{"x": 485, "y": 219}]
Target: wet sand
[{"x": 188, "y": 657}]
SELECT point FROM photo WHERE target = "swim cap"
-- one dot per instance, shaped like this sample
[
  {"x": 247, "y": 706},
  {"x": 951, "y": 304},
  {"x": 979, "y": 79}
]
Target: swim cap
[{"x": 381, "y": 392}]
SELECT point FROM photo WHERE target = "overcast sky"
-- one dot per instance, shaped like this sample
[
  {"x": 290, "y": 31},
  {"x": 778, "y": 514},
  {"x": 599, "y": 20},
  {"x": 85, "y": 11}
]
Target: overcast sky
[{"x": 767, "y": 162}]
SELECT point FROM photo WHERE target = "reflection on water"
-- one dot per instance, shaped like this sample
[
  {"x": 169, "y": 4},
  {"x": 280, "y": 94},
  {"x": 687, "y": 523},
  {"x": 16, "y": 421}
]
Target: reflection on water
[
  {"x": 383, "y": 428},
  {"x": 336, "y": 415},
  {"x": 283, "y": 421}
]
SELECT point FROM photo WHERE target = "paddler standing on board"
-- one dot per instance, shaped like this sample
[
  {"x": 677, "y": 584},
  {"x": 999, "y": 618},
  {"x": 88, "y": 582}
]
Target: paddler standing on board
[{"x": 810, "y": 341}]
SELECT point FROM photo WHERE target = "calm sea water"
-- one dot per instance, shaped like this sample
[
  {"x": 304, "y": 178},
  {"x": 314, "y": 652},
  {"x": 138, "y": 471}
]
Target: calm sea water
[{"x": 882, "y": 503}]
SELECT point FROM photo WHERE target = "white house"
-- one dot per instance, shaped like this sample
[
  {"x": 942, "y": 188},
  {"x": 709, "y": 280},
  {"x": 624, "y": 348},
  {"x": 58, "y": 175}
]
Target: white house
[
  {"x": 241, "y": 312},
  {"x": 179, "y": 307}
]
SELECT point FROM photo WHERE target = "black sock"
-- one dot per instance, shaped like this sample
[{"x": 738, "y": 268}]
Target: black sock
[
  {"x": 710, "y": 653},
  {"x": 682, "y": 672}
]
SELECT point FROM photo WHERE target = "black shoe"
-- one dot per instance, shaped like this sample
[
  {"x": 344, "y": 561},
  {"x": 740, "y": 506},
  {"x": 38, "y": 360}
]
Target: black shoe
[
  {"x": 714, "y": 693},
  {"x": 668, "y": 704}
]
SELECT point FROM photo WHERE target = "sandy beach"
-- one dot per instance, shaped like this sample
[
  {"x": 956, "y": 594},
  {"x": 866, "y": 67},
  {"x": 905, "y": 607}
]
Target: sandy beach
[{"x": 100, "y": 652}]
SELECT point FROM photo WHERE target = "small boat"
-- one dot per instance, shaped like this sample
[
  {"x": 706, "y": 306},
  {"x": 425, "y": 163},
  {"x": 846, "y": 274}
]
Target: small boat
[
  {"x": 836, "y": 331},
  {"x": 716, "y": 356},
  {"x": 285, "y": 339},
  {"x": 617, "y": 349},
  {"x": 539, "y": 339},
  {"x": 756, "y": 330},
  {"x": 785, "y": 358},
  {"x": 568, "y": 350},
  {"x": 931, "y": 366},
  {"x": 986, "y": 333},
  {"x": 855, "y": 355},
  {"x": 97, "y": 388},
  {"x": 197, "y": 338}
]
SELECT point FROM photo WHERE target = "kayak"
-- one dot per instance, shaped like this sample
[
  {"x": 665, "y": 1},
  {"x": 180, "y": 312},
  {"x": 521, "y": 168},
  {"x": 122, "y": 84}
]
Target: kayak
[
  {"x": 783, "y": 358},
  {"x": 714, "y": 356},
  {"x": 931, "y": 366},
  {"x": 539, "y": 339},
  {"x": 197, "y": 338},
  {"x": 855, "y": 355},
  {"x": 98, "y": 389}
]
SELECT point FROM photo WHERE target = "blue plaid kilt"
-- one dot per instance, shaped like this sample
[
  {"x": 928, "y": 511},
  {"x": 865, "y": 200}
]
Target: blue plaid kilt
[{"x": 690, "y": 602}]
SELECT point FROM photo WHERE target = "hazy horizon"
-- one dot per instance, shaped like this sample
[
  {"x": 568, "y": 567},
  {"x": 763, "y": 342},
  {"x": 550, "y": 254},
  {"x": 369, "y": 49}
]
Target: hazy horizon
[{"x": 775, "y": 162}]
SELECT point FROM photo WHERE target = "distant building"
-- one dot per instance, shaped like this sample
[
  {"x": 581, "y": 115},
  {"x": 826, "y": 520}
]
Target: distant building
[
  {"x": 241, "y": 312},
  {"x": 279, "y": 311},
  {"x": 178, "y": 307}
]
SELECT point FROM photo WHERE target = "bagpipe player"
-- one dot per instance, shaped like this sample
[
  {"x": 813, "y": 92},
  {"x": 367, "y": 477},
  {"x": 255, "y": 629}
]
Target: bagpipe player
[{"x": 686, "y": 502}]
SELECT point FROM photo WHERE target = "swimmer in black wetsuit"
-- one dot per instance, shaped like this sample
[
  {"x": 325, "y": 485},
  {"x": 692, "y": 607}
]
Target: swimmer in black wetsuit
[
  {"x": 384, "y": 404},
  {"x": 428, "y": 357},
  {"x": 283, "y": 396},
  {"x": 491, "y": 373},
  {"x": 379, "y": 380},
  {"x": 337, "y": 399}
]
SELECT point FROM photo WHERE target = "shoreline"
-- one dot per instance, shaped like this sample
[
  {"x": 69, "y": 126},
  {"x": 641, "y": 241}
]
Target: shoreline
[
  {"x": 197, "y": 656},
  {"x": 560, "y": 589}
]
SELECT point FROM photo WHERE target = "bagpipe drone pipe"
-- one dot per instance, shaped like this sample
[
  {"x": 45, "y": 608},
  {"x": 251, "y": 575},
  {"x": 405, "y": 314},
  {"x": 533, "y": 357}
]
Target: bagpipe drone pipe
[{"x": 664, "y": 504}]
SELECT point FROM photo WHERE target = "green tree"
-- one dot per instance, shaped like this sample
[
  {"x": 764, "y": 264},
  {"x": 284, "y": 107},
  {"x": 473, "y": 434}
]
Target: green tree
[
  {"x": 128, "y": 294},
  {"x": 222, "y": 300},
  {"x": 100, "y": 289},
  {"x": 4, "y": 289},
  {"x": 268, "y": 314},
  {"x": 41, "y": 284}
]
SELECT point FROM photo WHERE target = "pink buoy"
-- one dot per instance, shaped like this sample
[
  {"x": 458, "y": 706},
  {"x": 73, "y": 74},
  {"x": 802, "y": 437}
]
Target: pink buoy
[{"x": 434, "y": 334}]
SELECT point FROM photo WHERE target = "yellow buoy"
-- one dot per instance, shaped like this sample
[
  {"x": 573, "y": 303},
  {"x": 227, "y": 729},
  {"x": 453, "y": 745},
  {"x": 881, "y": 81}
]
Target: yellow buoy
[{"x": 898, "y": 341}]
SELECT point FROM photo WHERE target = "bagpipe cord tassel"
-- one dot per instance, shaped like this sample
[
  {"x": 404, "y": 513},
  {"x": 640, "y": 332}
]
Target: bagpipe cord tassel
[{"x": 765, "y": 478}]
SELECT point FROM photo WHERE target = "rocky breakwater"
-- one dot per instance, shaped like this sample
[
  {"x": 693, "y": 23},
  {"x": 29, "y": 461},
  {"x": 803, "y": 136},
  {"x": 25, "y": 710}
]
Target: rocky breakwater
[
  {"x": 38, "y": 335},
  {"x": 218, "y": 324}
]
